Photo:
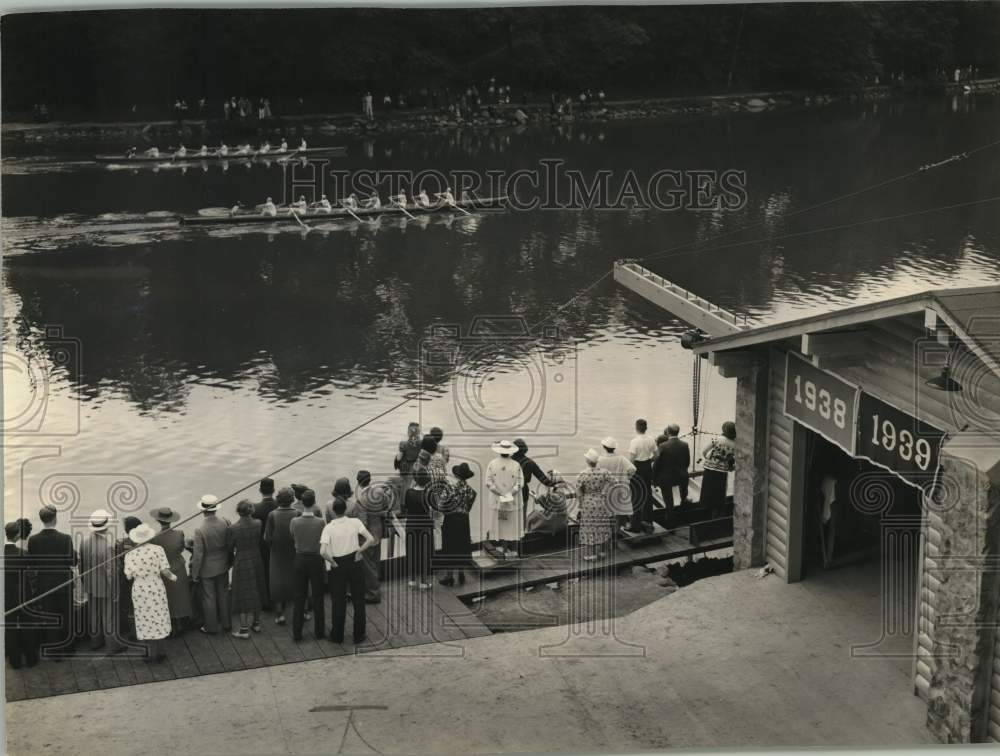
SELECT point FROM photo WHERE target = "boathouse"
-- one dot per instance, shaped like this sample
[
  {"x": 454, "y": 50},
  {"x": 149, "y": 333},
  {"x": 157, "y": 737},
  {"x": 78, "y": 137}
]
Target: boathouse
[{"x": 873, "y": 433}]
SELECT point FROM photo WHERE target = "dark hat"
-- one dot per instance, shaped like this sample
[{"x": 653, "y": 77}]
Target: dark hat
[
  {"x": 267, "y": 486},
  {"x": 342, "y": 488},
  {"x": 164, "y": 514},
  {"x": 462, "y": 471},
  {"x": 299, "y": 489},
  {"x": 285, "y": 496},
  {"x": 429, "y": 444},
  {"x": 363, "y": 477},
  {"x": 520, "y": 444},
  {"x": 436, "y": 433}
]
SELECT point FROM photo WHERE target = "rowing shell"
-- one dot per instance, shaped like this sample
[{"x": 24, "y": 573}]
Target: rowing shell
[
  {"x": 194, "y": 157},
  {"x": 488, "y": 203}
]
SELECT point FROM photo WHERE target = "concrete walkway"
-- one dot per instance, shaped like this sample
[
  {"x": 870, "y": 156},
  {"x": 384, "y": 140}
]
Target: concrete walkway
[{"x": 730, "y": 661}]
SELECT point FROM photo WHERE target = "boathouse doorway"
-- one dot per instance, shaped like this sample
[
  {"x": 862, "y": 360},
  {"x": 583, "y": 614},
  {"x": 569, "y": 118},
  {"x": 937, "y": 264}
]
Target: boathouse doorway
[
  {"x": 862, "y": 541},
  {"x": 854, "y": 511}
]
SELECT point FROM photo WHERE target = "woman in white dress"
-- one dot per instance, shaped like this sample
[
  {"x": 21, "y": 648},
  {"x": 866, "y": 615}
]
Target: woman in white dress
[
  {"x": 504, "y": 480},
  {"x": 147, "y": 567}
]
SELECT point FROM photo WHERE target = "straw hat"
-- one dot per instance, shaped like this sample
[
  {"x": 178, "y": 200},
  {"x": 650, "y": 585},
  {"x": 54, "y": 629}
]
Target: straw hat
[
  {"x": 164, "y": 514},
  {"x": 504, "y": 447},
  {"x": 209, "y": 503},
  {"x": 100, "y": 520},
  {"x": 141, "y": 533},
  {"x": 609, "y": 443},
  {"x": 591, "y": 455}
]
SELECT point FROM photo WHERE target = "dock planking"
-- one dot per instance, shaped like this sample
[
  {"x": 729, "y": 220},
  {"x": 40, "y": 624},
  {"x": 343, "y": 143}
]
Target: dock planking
[{"x": 406, "y": 617}]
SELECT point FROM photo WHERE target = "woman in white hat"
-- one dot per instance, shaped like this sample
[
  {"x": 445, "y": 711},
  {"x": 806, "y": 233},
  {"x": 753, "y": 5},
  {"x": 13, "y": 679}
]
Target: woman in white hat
[
  {"x": 594, "y": 487},
  {"x": 504, "y": 479},
  {"x": 147, "y": 567}
]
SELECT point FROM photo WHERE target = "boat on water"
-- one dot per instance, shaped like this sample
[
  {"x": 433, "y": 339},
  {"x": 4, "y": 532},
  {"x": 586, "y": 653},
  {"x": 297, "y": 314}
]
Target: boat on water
[
  {"x": 197, "y": 157},
  {"x": 221, "y": 218}
]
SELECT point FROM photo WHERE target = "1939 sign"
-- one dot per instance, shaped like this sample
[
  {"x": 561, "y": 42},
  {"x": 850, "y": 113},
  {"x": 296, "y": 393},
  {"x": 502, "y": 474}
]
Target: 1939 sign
[
  {"x": 821, "y": 401},
  {"x": 898, "y": 441}
]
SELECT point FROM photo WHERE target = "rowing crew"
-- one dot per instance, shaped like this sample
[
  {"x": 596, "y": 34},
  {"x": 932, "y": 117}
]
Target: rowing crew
[
  {"x": 222, "y": 151},
  {"x": 351, "y": 202}
]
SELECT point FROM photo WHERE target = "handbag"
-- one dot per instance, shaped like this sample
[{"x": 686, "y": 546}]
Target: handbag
[{"x": 80, "y": 597}]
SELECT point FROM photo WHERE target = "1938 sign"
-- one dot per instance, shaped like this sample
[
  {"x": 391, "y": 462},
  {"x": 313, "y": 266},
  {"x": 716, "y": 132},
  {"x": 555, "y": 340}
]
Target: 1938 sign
[
  {"x": 821, "y": 401},
  {"x": 898, "y": 441}
]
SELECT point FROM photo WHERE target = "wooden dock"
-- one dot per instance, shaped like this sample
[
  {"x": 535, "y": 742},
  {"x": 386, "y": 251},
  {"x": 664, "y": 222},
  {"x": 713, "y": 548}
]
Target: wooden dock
[
  {"x": 496, "y": 577},
  {"x": 404, "y": 618}
]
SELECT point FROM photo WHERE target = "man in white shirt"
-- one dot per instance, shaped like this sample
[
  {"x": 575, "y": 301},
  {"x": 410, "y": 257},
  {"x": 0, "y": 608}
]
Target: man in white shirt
[
  {"x": 338, "y": 544},
  {"x": 642, "y": 452},
  {"x": 623, "y": 470}
]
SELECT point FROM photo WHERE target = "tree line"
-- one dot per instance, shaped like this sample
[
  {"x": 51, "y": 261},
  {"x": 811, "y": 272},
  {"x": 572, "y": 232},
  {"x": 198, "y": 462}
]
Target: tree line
[{"x": 108, "y": 60}]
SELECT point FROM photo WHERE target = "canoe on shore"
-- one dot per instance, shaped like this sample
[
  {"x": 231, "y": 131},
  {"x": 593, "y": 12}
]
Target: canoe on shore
[
  {"x": 284, "y": 216},
  {"x": 195, "y": 157}
]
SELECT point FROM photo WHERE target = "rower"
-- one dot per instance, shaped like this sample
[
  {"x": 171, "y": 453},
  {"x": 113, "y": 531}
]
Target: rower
[
  {"x": 236, "y": 208},
  {"x": 130, "y": 153},
  {"x": 351, "y": 202},
  {"x": 298, "y": 207},
  {"x": 181, "y": 151},
  {"x": 373, "y": 202},
  {"x": 269, "y": 208},
  {"x": 302, "y": 145},
  {"x": 203, "y": 151},
  {"x": 400, "y": 199},
  {"x": 153, "y": 152},
  {"x": 324, "y": 205},
  {"x": 223, "y": 149},
  {"x": 265, "y": 148},
  {"x": 243, "y": 150},
  {"x": 421, "y": 199},
  {"x": 445, "y": 197},
  {"x": 284, "y": 145}
]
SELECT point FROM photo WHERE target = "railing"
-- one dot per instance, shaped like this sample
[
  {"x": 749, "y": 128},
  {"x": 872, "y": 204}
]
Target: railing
[{"x": 740, "y": 321}]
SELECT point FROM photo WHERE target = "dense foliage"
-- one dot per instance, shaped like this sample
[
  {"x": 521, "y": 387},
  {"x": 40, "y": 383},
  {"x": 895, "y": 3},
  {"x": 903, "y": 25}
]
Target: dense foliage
[{"x": 109, "y": 59}]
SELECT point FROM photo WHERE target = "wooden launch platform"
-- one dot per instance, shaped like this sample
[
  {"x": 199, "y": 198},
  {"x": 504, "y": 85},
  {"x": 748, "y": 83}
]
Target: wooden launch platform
[
  {"x": 495, "y": 576},
  {"x": 404, "y": 618}
]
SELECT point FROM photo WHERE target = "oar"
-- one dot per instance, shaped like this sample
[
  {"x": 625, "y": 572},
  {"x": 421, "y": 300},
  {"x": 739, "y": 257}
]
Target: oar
[
  {"x": 359, "y": 220},
  {"x": 462, "y": 209},
  {"x": 299, "y": 221},
  {"x": 403, "y": 209}
]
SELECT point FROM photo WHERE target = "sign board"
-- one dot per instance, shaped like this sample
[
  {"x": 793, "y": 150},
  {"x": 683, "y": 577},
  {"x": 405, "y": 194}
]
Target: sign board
[
  {"x": 897, "y": 441},
  {"x": 821, "y": 401}
]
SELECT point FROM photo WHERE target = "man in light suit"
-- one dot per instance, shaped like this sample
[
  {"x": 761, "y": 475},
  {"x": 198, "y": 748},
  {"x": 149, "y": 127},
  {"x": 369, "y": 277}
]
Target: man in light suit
[
  {"x": 210, "y": 566},
  {"x": 100, "y": 582}
]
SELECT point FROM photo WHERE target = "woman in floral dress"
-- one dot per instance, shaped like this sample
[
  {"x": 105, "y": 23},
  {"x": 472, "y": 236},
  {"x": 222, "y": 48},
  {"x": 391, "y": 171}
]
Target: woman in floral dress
[
  {"x": 456, "y": 537},
  {"x": 718, "y": 460},
  {"x": 596, "y": 517},
  {"x": 146, "y": 566},
  {"x": 249, "y": 581}
]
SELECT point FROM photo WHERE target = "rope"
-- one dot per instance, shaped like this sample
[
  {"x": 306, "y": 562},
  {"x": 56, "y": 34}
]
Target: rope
[{"x": 902, "y": 177}]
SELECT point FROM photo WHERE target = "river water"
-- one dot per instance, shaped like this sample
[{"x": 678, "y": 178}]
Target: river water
[{"x": 146, "y": 364}]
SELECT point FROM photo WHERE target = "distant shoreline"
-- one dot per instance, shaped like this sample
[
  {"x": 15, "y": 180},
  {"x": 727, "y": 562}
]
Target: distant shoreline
[{"x": 506, "y": 115}]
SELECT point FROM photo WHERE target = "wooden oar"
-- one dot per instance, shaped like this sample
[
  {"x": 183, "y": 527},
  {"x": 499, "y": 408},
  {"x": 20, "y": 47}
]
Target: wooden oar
[
  {"x": 403, "y": 209},
  {"x": 299, "y": 221},
  {"x": 352, "y": 214},
  {"x": 454, "y": 205}
]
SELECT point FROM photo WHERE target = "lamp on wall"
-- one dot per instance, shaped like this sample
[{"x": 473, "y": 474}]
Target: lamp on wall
[{"x": 944, "y": 381}]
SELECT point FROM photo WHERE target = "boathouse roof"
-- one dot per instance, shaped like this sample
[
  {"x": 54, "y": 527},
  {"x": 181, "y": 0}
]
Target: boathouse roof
[{"x": 972, "y": 314}]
